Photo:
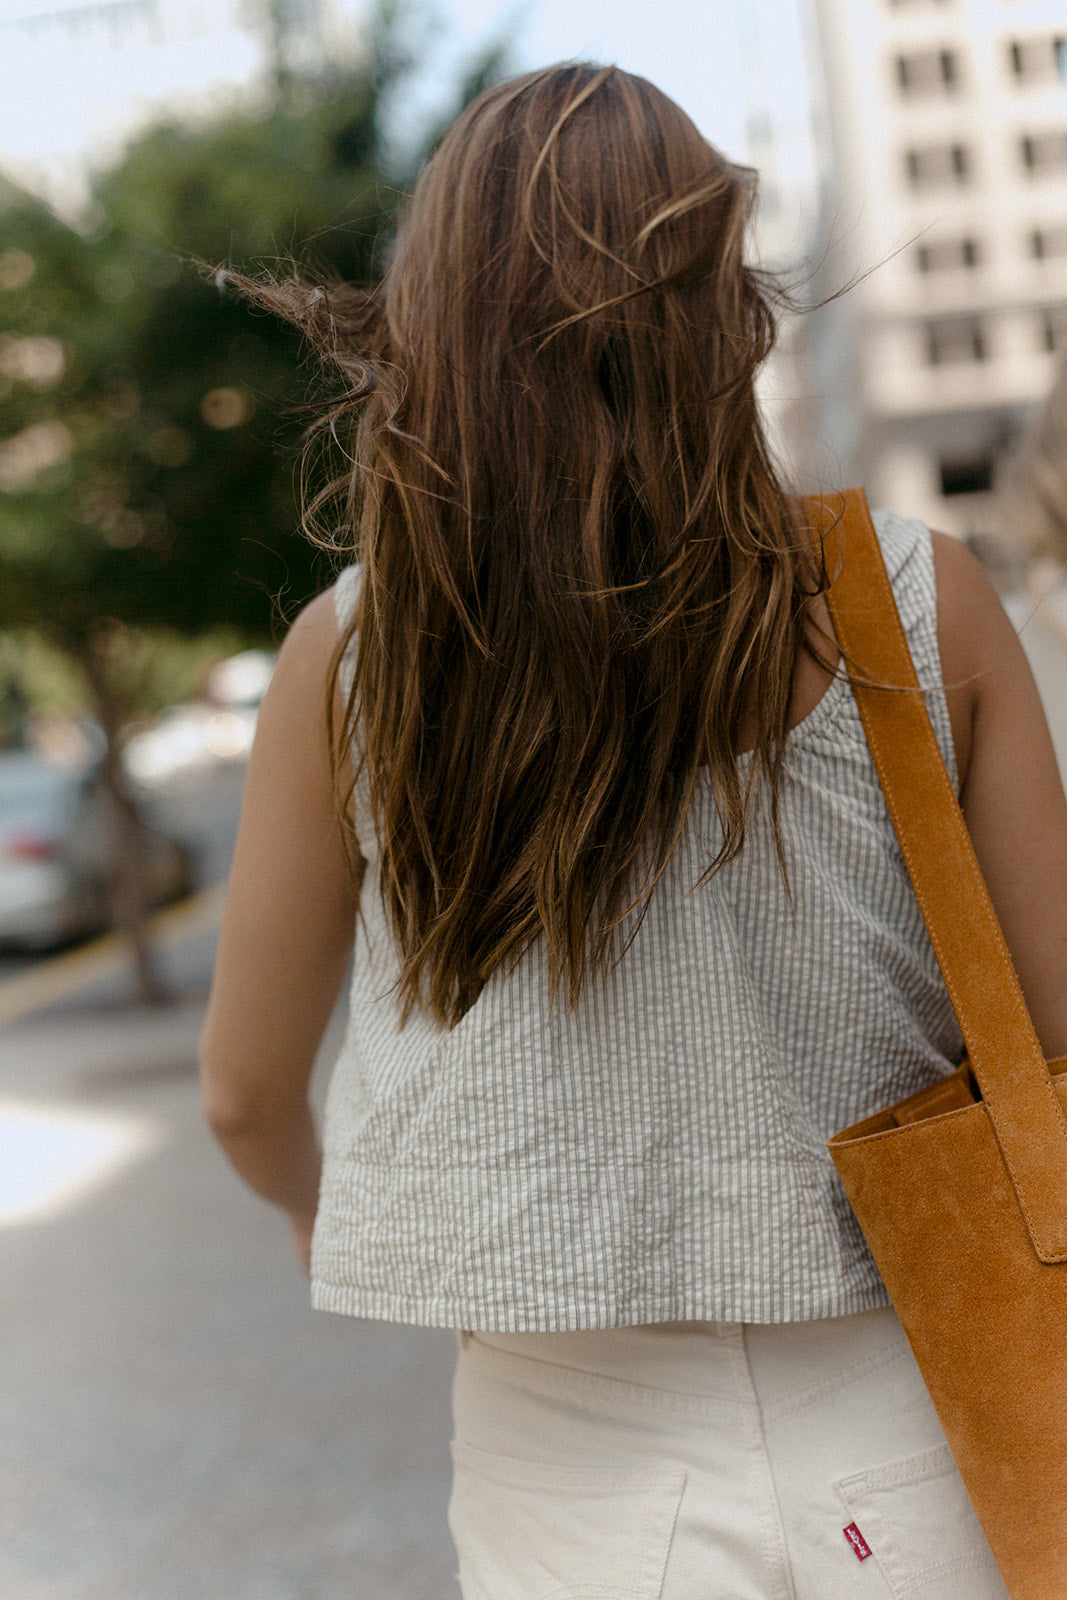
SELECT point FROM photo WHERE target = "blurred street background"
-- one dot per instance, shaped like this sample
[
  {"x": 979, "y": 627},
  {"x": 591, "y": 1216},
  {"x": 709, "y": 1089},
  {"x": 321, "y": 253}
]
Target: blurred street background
[{"x": 175, "y": 1422}]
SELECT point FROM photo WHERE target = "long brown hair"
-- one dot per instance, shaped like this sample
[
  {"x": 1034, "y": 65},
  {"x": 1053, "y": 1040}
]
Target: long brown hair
[{"x": 579, "y": 568}]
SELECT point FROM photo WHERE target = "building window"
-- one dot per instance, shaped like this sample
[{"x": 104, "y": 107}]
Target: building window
[
  {"x": 970, "y": 476},
  {"x": 947, "y": 255},
  {"x": 1043, "y": 153},
  {"x": 928, "y": 72},
  {"x": 1040, "y": 59},
  {"x": 952, "y": 339},
  {"x": 935, "y": 166},
  {"x": 1048, "y": 243},
  {"x": 1054, "y": 329}
]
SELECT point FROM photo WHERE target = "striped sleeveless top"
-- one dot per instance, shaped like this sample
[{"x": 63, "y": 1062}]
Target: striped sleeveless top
[{"x": 657, "y": 1153}]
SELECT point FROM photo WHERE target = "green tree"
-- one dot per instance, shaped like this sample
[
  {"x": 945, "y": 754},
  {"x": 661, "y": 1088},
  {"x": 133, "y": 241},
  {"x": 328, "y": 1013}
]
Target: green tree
[{"x": 149, "y": 423}]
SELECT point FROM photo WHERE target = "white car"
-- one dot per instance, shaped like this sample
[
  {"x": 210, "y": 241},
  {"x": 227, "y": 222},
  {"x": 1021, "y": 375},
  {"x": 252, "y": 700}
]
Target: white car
[{"x": 55, "y": 854}]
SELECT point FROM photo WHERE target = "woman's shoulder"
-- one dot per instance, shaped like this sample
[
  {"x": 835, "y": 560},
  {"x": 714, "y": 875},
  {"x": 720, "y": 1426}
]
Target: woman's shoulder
[
  {"x": 317, "y": 627},
  {"x": 308, "y": 650},
  {"x": 960, "y": 579},
  {"x": 970, "y": 617},
  {"x": 973, "y": 628}
]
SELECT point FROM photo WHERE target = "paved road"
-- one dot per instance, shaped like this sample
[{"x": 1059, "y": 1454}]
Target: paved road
[{"x": 175, "y": 1422}]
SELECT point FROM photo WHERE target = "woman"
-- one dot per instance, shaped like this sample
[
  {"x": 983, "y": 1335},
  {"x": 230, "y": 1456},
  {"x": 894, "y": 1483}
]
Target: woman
[{"x": 635, "y": 936}]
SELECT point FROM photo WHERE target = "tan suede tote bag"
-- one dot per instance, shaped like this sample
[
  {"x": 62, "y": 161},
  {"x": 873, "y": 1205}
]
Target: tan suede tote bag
[{"x": 961, "y": 1190}]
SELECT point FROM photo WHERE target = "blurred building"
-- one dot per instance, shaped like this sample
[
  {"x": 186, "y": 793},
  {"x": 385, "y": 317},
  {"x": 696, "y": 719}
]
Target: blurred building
[{"x": 946, "y": 125}]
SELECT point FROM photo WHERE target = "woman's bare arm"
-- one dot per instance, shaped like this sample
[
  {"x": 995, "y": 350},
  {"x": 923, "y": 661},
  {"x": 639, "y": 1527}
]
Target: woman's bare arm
[
  {"x": 286, "y": 937},
  {"x": 1011, "y": 791}
]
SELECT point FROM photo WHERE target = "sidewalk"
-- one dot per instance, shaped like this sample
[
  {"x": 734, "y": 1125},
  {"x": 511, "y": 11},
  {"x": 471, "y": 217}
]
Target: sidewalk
[{"x": 175, "y": 1422}]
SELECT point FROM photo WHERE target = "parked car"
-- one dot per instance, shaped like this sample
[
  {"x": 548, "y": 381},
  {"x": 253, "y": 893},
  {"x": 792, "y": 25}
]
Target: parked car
[{"x": 55, "y": 854}]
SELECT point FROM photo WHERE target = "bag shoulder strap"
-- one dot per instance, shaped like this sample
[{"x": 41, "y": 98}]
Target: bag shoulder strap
[{"x": 1004, "y": 1053}]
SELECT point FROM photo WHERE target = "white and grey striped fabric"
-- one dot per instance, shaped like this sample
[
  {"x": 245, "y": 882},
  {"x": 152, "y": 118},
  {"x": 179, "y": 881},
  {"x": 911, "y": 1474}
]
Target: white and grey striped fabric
[{"x": 657, "y": 1153}]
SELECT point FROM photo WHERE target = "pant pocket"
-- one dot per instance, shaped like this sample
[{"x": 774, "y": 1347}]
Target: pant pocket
[
  {"x": 532, "y": 1530},
  {"x": 918, "y": 1524}
]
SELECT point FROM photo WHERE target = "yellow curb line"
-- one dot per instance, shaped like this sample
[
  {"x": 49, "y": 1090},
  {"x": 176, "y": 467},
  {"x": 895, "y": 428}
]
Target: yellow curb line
[{"x": 68, "y": 974}]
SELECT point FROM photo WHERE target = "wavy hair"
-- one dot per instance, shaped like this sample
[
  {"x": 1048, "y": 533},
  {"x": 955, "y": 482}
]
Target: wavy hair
[{"x": 580, "y": 571}]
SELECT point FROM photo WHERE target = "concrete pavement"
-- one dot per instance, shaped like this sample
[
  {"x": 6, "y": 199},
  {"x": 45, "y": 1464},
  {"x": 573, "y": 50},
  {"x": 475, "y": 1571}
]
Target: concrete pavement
[{"x": 175, "y": 1422}]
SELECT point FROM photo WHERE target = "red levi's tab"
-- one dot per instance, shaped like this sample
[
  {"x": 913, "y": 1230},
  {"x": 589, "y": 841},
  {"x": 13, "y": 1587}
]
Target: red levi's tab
[{"x": 857, "y": 1541}]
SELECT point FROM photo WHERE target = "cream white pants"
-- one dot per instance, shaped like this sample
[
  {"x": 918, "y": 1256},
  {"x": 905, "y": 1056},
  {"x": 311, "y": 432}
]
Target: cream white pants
[{"x": 708, "y": 1461}]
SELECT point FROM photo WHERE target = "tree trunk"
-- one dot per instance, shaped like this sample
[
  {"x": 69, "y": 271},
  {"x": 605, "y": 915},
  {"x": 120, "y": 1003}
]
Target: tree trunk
[{"x": 129, "y": 899}]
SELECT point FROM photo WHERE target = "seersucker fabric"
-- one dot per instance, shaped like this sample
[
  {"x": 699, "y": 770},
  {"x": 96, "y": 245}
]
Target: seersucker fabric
[{"x": 658, "y": 1152}]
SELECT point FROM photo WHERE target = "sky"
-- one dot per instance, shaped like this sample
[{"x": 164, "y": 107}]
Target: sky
[
  {"x": 722, "y": 60},
  {"x": 71, "y": 94},
  {"x": 689, "y": 49}
]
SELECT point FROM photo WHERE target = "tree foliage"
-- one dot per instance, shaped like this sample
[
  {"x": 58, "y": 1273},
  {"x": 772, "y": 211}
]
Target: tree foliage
[{"x": 150, "y": 422}]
